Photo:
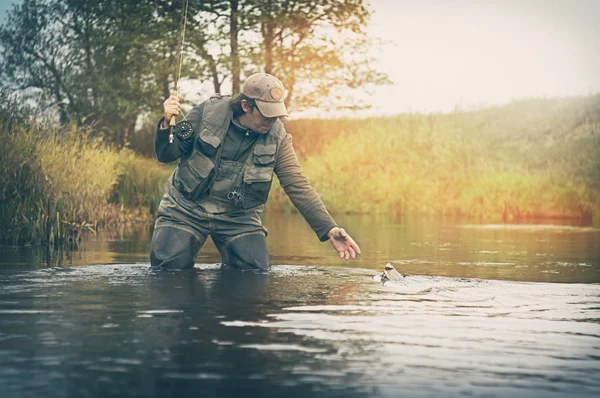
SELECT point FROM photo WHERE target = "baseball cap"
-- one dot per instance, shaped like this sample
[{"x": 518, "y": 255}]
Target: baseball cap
[{"x": 268, "y": 92}]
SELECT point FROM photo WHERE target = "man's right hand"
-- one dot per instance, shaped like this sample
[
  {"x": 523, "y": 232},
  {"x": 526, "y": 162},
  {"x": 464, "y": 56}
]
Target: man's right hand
[
  {"x": 172, "y": 108},
  {"x": 343, "y": 243}
]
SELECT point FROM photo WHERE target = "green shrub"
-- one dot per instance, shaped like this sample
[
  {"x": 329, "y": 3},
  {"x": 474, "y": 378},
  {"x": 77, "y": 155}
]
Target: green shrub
[
  {"x": 534, "y": 158},
  {"x": 59, "y": 182},
  {"x": 141, "y": 182}
]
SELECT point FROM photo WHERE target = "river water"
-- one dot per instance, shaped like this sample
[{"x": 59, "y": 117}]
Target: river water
[{"x": 484, "y": 311}]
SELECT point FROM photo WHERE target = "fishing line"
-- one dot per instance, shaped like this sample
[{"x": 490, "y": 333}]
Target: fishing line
[
  {"x": 182, "y": 42},
  {"x": 172, "y": 122}
]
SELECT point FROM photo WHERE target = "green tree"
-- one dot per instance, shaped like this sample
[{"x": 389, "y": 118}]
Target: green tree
[
  {"x": 110, "y": 63},
  {"x": 36, "y": 57},
  {"x": 100, "y": 62},
  {"x": 318, "y": 48}
]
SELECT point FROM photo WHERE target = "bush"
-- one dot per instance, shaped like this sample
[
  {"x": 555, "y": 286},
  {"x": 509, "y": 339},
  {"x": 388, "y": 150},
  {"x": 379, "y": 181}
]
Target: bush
[
  {"x": 529, "y": 159},
  {"x": 141, "y": 182},
  {"x": 59, "y": 182}
]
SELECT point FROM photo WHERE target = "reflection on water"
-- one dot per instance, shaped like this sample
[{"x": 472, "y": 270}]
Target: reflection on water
[
  {"x": 123, "y": 330},
  {"x": 542, "y": 253},
  {"x": 474, "y": 317}
]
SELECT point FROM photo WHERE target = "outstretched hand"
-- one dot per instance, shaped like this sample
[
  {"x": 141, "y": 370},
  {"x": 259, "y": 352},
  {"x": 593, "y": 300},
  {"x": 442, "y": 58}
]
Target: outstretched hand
[{"x": 343, "y": 243}]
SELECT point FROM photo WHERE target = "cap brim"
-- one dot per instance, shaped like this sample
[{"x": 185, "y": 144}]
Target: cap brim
[{"x": 271, "y": 109}]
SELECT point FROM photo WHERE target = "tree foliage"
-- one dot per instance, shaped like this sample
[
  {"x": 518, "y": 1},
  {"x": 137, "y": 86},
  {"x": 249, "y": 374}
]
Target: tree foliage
[
  {"x": 109, "y": 63},
  {"x": 318, "y": 48}
]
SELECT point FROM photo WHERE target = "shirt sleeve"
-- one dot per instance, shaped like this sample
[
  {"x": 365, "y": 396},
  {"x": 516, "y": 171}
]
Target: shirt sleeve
[
  {"x": 304, "y": 197},
  {"x": 167, "y": 152}
]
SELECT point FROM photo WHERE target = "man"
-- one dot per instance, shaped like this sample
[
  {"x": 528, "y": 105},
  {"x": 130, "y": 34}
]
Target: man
[{"x": 229, "y": 150}]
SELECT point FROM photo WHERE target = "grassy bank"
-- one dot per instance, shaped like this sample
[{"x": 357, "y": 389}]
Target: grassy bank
[
  {"x": 59, "y": 182},
  {"x": 529, "y": 159}
]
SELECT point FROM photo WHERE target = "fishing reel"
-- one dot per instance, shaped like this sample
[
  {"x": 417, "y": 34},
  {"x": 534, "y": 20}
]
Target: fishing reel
[{"x": 184, "y": 130}]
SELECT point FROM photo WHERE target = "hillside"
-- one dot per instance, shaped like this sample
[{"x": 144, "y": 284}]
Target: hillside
[{"x": 528, "y": 159}]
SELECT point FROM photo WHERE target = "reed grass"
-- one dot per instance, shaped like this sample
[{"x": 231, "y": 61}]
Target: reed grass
[
  {"x": 529, "y": 159},
  {"x": 141, "y": 182},
  {"x": 60, "y": 182},
  {"x": 526, "y": 160}
]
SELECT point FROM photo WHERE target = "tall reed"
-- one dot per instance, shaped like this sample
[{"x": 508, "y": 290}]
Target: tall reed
[
  {"x": 141, "y": 182},
  {"x": 60, "y": 182},
  {"x": 528, "y": 159}
]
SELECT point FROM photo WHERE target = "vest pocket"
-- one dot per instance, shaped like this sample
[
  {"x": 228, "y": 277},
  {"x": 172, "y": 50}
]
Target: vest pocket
[
  {"x": 257, "y": 184},
  {"x": 264, "y": 154},
  {"x": 194, "y": 171},
  {"x": 208, "y": 142},
  {"x": 255, "y": 173}
]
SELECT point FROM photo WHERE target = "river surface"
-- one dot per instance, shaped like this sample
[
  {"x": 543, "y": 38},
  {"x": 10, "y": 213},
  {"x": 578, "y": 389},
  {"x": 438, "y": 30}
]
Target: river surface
[{"x": 485, "y": 310}]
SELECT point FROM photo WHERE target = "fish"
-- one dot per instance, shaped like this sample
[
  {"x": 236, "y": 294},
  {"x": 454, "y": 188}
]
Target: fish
[
  {"x": 405, "y": 283},
  {"x": 390, "y": 274}
]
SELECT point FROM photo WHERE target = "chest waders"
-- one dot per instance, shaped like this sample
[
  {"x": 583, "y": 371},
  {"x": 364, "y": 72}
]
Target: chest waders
[{"x": 237, "y": 190}]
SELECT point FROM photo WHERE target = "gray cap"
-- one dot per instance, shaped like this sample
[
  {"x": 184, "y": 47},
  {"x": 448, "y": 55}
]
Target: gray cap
[{"x": 268, "y": 92}]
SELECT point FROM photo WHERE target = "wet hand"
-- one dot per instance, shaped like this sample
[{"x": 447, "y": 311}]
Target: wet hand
[
  {"x": 343, "y": 243},
  {"x": 171, "y": 108}
]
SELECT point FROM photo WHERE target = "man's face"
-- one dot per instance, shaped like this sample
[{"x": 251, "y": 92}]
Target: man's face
[{"x": 255, "y": 120}]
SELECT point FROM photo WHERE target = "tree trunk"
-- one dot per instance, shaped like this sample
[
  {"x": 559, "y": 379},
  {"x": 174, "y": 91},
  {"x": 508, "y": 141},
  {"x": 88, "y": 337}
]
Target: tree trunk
[
  {"x": 215, "y": 78},
  {"x": 89, "y": 63},
  {"x": 166, "y": 92},
  {"x": 289, "y": 87},
  {"x": 268, "y": 37},
  {"x": 235, "y": 56},
  {"x": 212, "y": 65},
  {"x": 62, "y": 108}
]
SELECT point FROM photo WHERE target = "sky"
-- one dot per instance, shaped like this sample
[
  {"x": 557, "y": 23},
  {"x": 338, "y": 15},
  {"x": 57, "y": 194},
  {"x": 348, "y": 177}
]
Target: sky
[
  {"x": 469, "y": 54},
  {"x": 444, "y": 55},
  {"x": 4, "y": 6}
]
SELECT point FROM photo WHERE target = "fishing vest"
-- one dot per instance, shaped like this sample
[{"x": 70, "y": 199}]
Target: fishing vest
[{"x": 232, "y": 184}]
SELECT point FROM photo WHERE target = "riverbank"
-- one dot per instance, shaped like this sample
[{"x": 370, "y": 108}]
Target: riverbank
[
  {"x": 58, "y": 183},
  {"x": 529, "y": 159}
]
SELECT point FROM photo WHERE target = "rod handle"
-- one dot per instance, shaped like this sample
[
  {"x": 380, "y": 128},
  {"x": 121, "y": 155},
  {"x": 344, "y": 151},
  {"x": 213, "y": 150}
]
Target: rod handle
[{"x": 172, "y": 122}]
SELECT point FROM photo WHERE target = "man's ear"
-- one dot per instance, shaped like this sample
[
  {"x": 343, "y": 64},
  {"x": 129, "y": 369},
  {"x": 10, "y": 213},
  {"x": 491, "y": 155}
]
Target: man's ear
[{"x": 245, "y": 106}]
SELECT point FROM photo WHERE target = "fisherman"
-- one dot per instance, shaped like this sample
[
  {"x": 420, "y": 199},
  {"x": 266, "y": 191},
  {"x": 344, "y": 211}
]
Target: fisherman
[{"x": 229, "y": 149}]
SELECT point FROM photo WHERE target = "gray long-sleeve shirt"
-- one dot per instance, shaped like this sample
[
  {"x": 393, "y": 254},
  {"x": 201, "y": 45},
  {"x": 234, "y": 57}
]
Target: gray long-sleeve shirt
[{"x": 237, "y": 145}]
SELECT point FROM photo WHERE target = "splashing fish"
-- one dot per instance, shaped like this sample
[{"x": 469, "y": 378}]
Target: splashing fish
[
  {"x": 390, "y": 274},
  {"x": 424, "y": 284},
  {"x": 405, "y": 283}
]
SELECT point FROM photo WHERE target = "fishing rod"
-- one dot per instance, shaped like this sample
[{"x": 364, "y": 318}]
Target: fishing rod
[{"x": 172, "y": 122}]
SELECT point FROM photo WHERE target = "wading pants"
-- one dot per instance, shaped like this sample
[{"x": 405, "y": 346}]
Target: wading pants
[{"x": 182, "y": 227}]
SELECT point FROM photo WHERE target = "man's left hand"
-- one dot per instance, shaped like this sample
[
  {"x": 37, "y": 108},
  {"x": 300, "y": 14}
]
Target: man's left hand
[{"x": 343, "y": 243}]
